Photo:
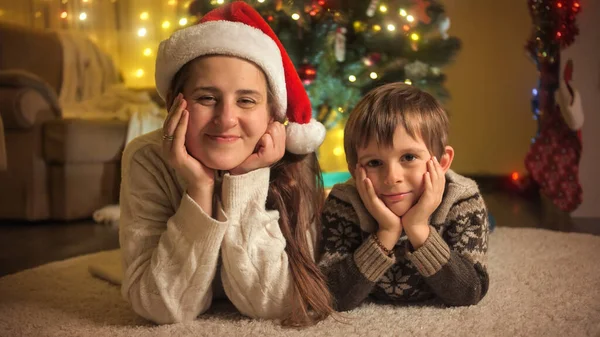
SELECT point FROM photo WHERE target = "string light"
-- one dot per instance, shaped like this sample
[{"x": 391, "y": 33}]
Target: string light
[
  {"x": 340, "y": 109},
  {"x": 408, "y": 81},
  {"x": 352, "y": 78},
  {"x": 183, "y": 21},
  {"x": 166, "y": 24},
  {"x": 172, "y": 2},
  {"x": 63, "y": 15},
  {"x": 144, "y": 16},
  {"x": 403, "y": 12},
  {"x": 382, "y": 8},
  {"x": 142, "y": 32},
  {"x": 82, "y": 16},
  {"x": 410, "y": 18},
  {"x": 373, "y": 75},
  {"x": 261, "y": 1},
  {"x": 406, "y": 28},
  {"x": 220, "y": 2},
  {"x": 414, "y": 36},
  {"x": 376, "y": 28},
  {"x": 391, "y": 27},
  {"x": 296, "y": 16},
  {"x": 139, "y": 73},
  {"x": 147, "y": 52}
]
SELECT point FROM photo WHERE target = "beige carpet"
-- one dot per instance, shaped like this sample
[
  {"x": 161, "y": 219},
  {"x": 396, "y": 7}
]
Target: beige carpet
[{"x": 543, "y": 283}]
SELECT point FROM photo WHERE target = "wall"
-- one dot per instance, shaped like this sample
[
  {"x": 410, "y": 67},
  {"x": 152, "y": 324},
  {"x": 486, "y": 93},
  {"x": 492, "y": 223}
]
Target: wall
[{"x": 490, "y": 84}]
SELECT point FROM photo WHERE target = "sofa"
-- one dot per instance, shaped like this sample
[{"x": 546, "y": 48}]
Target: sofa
[{"x": 56, "y": 167}]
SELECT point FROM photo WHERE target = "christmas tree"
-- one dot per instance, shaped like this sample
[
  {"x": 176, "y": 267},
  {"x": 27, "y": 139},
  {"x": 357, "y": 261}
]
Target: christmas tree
[{"x": 344, "y": 48}]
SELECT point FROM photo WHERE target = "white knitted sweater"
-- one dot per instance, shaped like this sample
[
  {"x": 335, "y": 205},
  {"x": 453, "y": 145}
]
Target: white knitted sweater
[{"x": 173, "y": 252}]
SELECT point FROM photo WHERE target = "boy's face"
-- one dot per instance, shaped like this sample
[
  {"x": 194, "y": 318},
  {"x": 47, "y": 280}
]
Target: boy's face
[{"x": 397, "y": 172}]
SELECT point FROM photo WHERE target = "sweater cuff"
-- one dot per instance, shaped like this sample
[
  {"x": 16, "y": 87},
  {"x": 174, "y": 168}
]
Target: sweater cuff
[
  {"x": 371, "y": 261},
  {"x": 239, "y": 190},
  {"x": 431, "y": 256},
  {"x": 191, "y": 220}
]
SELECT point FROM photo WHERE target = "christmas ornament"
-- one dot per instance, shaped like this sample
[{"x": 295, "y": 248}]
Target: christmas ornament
[
  {"x": 420, "y": 11},
  {"x": 416, "y": 69},
  {"x": 443, "y": 27},
  {"x": 307, "y": 73},
  {"x": 372, "y": 8},
  {"x": 196, "y": 8},
  {"x": 340, "y": 44},
  {"x": 359, "y": 26},
  {"x": 569, "y": 100}
]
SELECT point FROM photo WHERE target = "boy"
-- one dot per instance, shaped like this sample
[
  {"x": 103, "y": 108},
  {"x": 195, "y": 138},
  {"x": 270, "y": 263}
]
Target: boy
[{"x": 405, "y": 227}]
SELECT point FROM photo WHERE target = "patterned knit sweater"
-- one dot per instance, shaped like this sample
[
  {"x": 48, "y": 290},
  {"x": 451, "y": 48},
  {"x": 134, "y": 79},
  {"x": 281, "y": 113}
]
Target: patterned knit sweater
[{"x": 450, "y": 265}]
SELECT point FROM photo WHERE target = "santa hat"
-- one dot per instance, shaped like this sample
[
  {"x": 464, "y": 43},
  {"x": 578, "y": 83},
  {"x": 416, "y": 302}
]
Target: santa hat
[{"x": 238, "y": 30}]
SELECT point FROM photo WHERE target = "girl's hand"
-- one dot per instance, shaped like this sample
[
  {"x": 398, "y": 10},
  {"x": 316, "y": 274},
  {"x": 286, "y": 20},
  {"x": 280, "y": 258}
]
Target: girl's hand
[
  {"x": 390, "y": 225},
  {"x": 199, "y": 178},
  {"x": 269, "y": 150}
]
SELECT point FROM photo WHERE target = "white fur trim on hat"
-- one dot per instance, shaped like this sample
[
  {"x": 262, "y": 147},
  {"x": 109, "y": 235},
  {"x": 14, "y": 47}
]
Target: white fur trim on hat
[
  {"x": 304, "y": 138},
  {"x": 221, "y": 38}
]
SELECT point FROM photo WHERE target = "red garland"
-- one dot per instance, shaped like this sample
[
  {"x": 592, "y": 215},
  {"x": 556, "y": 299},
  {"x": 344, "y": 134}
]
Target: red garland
[{"x": 554, "y": 27}]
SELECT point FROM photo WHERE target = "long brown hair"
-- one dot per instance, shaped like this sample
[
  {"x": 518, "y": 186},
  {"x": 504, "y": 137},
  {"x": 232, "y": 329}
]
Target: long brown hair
[{"x": 296, "y": 191}]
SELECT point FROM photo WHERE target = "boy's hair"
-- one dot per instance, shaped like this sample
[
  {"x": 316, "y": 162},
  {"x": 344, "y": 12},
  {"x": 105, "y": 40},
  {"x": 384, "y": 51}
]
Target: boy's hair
[{"x": 382, "y": 109}]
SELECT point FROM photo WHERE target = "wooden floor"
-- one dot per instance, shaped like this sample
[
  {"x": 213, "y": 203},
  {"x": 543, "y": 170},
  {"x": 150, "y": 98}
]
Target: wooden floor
[{"x": 25, "y": 245}]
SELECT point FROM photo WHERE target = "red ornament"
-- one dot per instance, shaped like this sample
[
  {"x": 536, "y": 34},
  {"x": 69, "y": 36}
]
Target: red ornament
[
  {"x": 420, "y": 10},
  {"x": 307, "y": 73},
  {"x": 375, "y": 57}
]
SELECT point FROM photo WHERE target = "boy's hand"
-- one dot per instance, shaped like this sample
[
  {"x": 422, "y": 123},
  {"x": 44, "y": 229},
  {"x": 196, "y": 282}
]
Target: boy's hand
[
  {"x": 270, "y": 148},
  {"x": 416, "y": 220},
  {"x": 390, "y": 225}
]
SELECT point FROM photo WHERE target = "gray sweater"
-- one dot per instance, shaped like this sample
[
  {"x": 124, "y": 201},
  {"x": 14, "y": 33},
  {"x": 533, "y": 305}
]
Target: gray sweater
[{"x": 450, "y": 265}]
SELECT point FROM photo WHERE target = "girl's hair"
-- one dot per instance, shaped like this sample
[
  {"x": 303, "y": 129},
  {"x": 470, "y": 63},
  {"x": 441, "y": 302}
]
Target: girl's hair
[
  {"x": 377, "y": 115},
  {"x": 296, "y": 191}
]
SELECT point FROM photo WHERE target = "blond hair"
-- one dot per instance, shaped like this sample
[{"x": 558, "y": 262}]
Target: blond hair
[{"x": 382, "y": 109}]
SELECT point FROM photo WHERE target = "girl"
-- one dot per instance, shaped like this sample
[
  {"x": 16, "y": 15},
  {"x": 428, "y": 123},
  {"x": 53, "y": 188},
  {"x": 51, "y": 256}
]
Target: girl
[{"x": 222, "y": 200}]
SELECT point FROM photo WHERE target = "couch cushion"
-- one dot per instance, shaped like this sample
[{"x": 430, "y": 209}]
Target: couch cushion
[{"x": 84, "y": 141}]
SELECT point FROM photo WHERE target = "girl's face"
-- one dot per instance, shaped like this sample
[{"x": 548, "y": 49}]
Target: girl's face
[{"x": 227, "y": 101}]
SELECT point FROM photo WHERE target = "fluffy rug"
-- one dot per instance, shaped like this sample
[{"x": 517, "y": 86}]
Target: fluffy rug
[{"x": 543, "y": 283}]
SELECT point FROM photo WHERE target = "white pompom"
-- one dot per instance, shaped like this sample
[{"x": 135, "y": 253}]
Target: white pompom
[
  {"x": 304, "y": 138},
  {"x": 570, "y": 106}
]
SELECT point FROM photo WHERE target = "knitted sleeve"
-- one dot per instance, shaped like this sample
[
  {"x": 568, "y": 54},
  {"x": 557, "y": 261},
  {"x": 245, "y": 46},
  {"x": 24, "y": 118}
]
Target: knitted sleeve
[
  {"x": 170, "y": 247},
  {"x": 351, "y": 267},
  {"x": 454, "y": 266},
  {"x": 256, "y": 274}
]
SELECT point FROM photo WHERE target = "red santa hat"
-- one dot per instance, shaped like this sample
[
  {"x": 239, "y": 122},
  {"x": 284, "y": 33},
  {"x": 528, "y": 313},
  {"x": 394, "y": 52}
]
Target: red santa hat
[{"x": 237, "y": 29}]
